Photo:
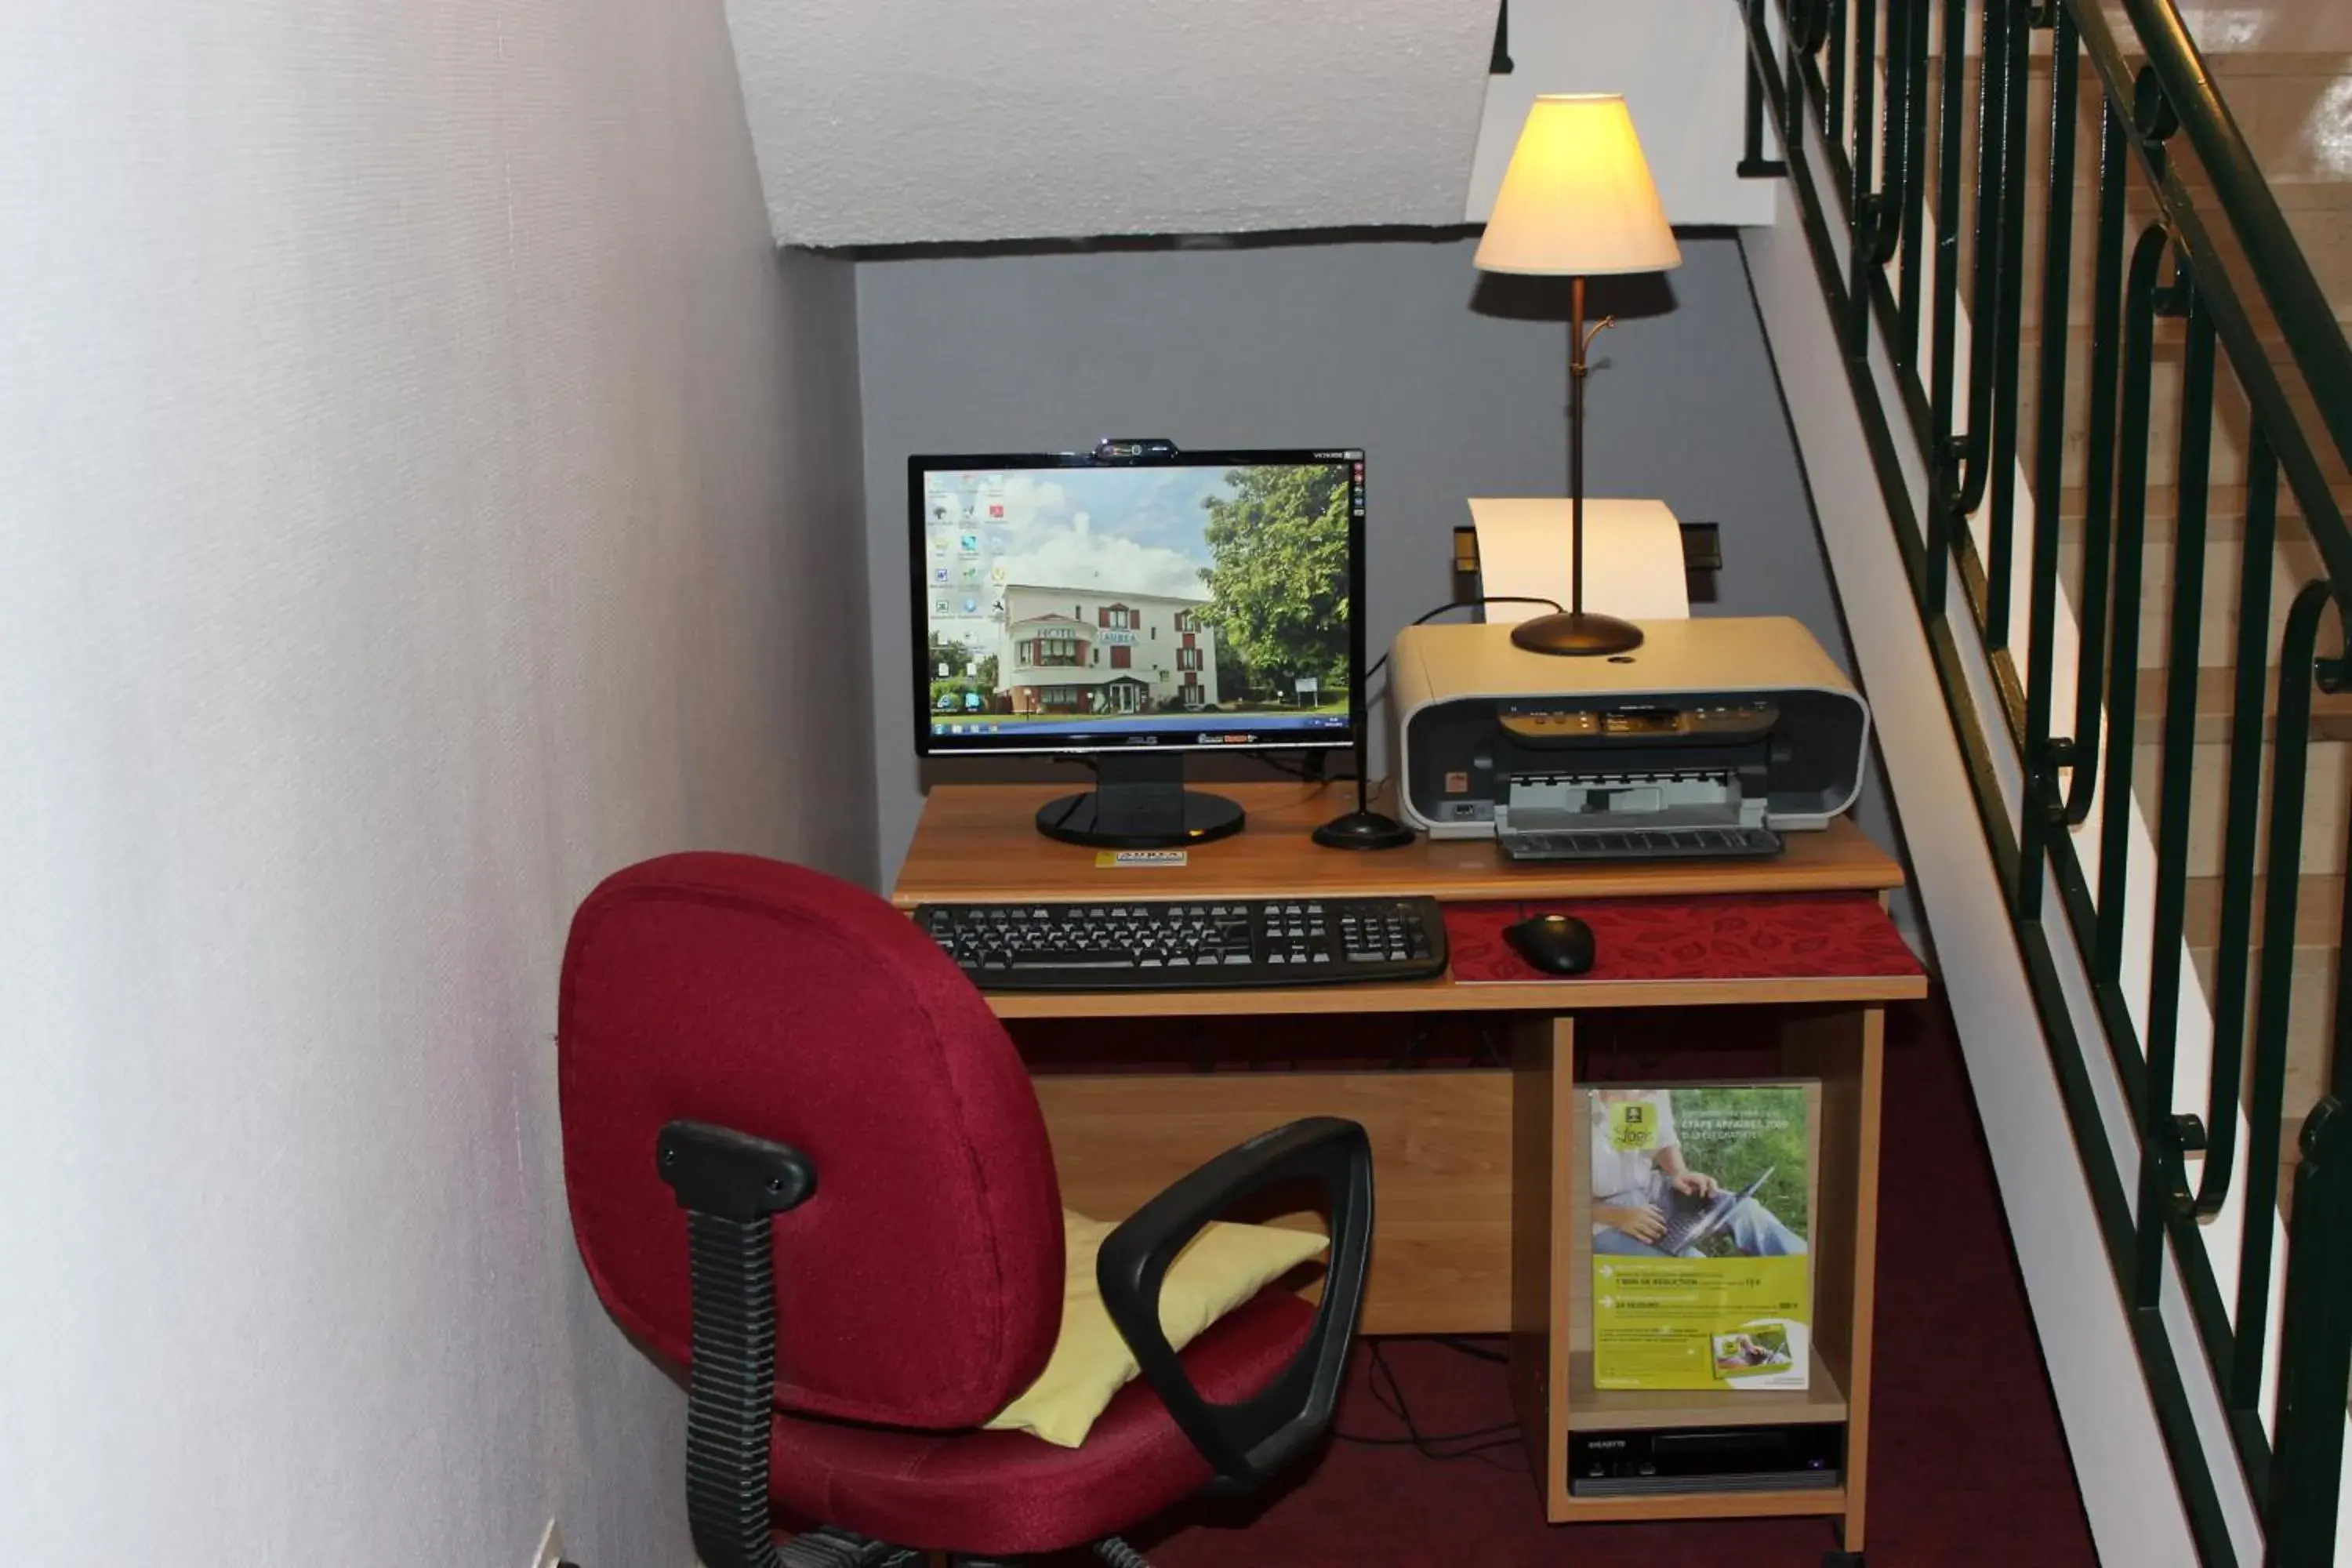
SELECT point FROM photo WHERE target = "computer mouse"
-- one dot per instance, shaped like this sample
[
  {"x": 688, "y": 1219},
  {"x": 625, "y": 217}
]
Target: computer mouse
[{"x": 1557, "y": 944}]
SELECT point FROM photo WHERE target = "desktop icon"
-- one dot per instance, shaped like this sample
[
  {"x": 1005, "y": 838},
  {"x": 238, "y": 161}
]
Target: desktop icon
[
  {"x": 944, "y": 607},
  {"x": 971, "y": 701},
  {"x": 940, "y": 575},
  {"x": 999, "y": 574},
  {"x": 972, "y": 606},
  {"x": 969, "y": 543},
  {"x": 972, "y": 576}
]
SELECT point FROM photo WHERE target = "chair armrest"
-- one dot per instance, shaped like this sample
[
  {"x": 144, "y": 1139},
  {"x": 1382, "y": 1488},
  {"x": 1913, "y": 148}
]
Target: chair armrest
[
  {"x": 731, "y": 1184},
  {"x": 1247, "y": 1442}
]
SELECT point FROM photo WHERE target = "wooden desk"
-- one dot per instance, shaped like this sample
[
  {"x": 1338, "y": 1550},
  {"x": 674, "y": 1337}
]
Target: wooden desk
[
  {"x": 980, "y": 844},
  {"x": 1476, "y": 1174}
]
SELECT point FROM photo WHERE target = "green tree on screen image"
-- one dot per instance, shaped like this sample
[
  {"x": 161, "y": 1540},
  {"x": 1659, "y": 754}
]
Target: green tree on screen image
[
  {"x": 948, "y": 651},
  {"x": 956, "y": 656},
  {"x": 1735, "y": 1134},
  {"x": 1278, "y": 580}
]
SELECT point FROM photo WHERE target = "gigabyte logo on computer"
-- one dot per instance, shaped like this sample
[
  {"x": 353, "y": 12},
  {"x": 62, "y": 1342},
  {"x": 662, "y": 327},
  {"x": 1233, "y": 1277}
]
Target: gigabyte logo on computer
[{"x": 1142, "y": 739}]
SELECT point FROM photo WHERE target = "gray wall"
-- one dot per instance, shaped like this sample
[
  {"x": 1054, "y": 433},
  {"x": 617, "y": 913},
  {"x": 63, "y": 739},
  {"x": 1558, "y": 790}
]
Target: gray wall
[{"x": 1454, "y": 386}]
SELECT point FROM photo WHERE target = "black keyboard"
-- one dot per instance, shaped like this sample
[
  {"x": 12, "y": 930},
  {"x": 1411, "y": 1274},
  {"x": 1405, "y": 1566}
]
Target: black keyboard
[
  {"x": 1213, "y": 944},
  {"x": 1638, "y": 844}
]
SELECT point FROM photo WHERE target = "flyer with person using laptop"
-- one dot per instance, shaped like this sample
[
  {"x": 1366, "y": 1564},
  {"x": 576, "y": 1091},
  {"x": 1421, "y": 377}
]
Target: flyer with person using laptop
[{"x": 1702, "y": 1276}]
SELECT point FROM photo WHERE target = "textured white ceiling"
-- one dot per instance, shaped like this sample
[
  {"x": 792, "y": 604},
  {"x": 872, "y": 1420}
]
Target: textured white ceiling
[{"x": 885, "y": 123}]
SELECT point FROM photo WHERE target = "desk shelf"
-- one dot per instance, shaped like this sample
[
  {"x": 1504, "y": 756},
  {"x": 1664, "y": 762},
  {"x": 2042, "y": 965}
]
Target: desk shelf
[
  {"x": 1834, "y": 1502},
  {"x": 1449, "y": 995},
  {"x": 1594, "y": 1409}
]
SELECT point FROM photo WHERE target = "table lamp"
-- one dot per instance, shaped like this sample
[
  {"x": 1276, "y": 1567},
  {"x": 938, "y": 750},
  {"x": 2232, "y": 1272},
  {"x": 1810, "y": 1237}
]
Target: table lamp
[{"x": 1577, "y": 200}]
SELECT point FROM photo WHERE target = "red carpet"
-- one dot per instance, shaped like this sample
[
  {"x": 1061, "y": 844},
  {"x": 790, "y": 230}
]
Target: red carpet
[{"x": 1969, "y": 1466}]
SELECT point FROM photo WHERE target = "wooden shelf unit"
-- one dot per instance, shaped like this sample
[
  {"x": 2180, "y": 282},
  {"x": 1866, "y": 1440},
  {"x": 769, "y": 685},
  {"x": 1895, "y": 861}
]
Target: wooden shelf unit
[
  {"x": 1633, "y": 1410},
  {"x": 1551, "y": 1372}
]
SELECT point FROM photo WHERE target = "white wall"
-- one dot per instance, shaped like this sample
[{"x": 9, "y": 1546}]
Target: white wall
[
  {"x": 1682, "y": 66},
  {"x": 896, "y": 124},
  {"x": 422, "y": 490}
]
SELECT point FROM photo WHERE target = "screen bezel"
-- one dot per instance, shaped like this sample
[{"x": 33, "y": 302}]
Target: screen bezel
[{"x": 926, "y": 744}]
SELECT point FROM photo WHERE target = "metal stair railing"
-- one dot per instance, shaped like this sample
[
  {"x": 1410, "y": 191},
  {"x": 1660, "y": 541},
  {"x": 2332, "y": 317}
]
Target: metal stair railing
[{"x": 1900, "y": 215}]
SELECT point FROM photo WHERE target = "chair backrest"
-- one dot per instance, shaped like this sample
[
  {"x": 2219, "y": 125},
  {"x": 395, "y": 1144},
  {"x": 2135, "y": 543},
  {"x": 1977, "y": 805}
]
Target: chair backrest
[{"x": 922, "y": 1285}]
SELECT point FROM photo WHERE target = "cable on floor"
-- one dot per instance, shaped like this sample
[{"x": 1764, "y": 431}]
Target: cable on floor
[{"x": 1479, "y": 1443}]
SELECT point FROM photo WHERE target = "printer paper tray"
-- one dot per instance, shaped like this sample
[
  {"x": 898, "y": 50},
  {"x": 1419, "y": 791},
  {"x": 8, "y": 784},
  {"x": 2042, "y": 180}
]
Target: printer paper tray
[{"x": 1638, "y": 844}]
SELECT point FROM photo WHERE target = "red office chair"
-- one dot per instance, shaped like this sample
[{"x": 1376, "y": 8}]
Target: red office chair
[{"x": 805, "y": 1159}]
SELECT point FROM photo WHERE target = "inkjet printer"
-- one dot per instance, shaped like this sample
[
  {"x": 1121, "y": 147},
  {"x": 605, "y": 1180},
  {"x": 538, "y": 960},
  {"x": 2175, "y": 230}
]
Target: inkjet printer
[{"x": 1714, "y": 737}]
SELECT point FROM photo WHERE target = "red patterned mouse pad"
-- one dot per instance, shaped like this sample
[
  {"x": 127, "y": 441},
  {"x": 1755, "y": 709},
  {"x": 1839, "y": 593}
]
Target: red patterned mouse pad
[{"x": 1724, "y": 937}]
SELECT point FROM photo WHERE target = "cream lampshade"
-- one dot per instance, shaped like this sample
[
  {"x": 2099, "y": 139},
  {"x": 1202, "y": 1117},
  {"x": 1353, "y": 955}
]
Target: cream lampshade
[{"x": 1577, "y": 201}]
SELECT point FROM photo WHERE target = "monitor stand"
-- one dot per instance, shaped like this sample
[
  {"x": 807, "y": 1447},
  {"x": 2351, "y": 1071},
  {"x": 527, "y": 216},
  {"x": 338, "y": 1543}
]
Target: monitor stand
[{"x": 1139, "y": 801}]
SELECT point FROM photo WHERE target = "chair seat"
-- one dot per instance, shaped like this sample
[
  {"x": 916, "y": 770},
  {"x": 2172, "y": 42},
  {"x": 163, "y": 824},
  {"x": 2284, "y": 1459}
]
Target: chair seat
[{"x": 1012, "y": 1494}]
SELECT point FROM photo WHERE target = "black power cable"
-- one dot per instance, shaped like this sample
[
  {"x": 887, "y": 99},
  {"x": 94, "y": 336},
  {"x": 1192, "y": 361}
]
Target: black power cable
[
  {"x": 1313, "y": 772},
  {"x": 1480, "y": 1443},
  {"x": 1374, "y": 668}
]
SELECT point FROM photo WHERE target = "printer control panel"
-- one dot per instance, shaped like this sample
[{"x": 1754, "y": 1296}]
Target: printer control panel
[{"x": 1538, "y": 726}]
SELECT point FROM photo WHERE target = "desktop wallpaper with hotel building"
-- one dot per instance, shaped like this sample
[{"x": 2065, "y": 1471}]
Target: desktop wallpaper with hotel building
[{"x": 1075, "y": 601}]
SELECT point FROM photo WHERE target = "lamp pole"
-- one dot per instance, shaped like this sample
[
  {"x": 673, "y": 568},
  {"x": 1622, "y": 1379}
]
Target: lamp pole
[
  {"x": 1576, "y": 369},
  {"x": 1573, "y": 631}
]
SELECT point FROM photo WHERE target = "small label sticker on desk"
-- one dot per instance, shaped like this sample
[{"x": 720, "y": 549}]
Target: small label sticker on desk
[{"x": 1105, "y": 859}]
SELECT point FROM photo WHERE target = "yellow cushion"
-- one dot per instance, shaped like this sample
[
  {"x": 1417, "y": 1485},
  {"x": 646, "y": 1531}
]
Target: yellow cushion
[{"x": 1219, "y": 1269}]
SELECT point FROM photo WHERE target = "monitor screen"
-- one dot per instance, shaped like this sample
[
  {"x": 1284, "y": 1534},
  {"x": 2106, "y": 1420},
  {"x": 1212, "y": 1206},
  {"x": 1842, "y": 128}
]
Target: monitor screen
[{"x": 1067, "y": 604}]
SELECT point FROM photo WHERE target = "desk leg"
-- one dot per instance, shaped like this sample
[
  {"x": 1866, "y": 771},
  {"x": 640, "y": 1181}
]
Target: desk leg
[
  {"x": 1846, "y": 1049},
  {"x": 1543, "y": 1075}
]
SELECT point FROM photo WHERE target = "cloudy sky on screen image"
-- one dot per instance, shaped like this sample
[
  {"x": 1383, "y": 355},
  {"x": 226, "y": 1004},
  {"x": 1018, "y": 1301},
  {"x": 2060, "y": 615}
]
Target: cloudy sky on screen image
[{"x": 1128, "y": 531}]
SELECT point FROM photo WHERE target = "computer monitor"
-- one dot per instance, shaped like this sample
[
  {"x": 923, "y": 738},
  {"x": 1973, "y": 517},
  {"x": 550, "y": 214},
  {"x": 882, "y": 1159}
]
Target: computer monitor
[{"x": 1134, "y": 607}]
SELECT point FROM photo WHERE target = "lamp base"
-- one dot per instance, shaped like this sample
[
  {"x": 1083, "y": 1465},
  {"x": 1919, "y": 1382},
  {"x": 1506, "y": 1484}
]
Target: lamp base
[{"x": 1577, "y": 633}]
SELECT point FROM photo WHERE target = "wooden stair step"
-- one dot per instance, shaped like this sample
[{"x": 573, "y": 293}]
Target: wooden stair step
[
  {"x": 2289, "y": 566},
  {"x": 2231, "y": 416},
  {"x": 2225, "y": 511},
  {"x": 2171, "y": 332},
  {"x": 2287, "y": 107},
  {"x": 2318, "y": 918},
  {"x": 2331, "y": 715},
  {"x": 2327, "y": 784}
]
